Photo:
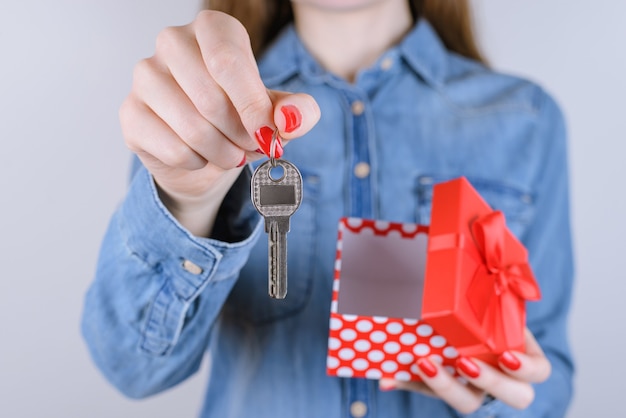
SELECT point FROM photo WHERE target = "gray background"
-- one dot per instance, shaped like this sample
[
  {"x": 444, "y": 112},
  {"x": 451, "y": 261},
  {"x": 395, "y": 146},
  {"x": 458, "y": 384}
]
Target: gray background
[{"x": 65, "y": 66}]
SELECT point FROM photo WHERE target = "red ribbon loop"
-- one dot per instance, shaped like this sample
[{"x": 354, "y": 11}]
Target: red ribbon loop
[{"x": 497, "y": 289}]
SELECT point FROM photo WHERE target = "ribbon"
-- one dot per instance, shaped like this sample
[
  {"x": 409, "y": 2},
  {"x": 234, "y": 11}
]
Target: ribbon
[{"x": 498, "y": 290}]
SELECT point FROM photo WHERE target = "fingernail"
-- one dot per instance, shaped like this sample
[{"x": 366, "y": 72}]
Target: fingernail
[
  {"x": 259, "y": 150},
  {"x": 509, "y": 360},
  {"x": 241, "y": 164},
  {"x": 427, "y": 367},
  {"x": 293, "y": 117},
  {"x": 386, "y": 385},
  {"x": 468, "y": 367},
  {"x": 264, "y": 138}
]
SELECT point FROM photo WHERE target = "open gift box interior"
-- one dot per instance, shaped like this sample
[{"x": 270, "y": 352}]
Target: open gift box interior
[{"x": 382, "y": 269}]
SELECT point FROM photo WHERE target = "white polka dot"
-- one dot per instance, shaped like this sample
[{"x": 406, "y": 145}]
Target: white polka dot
[
  {"x": 376, "y": 356},
  {"x": 338, "y": 265},
  {"x": 360, "y": 364},
  {"x": 403, "y": 376},
  {"x": 367, "y": 231},
  {"x": 405, "y": 358},
  {"x": 335, "y": 323},
  {"x": 394, "y": 328},
  {"x": 391, "y": 347},
  {"x": 344, "y": 372},
  {"x": 347, "y": 334},
  {"x": 414, "y": 369},
  {"x": 410, "y": 322},
  {"x": 450, "y": 370},
  {"x": 394, "y": 233},
  {"x": 362, "y": 345},
  {"x": 346, "y": 354},
  {"x": 380, "y": 319},
  {"x": 409, "y": 228},
  {"x": 373, "y": 374},
  {"x": 340, "y": 245},
  {"x": 350, "y": 318},
  {"x": 382, "y": 225},
  {"x": 389, "y": 366},
  {"x": 333, "y": 306},
  {"x": 335, "y": 285},
  {"x": 334, "y": 343},
  {"x": 332, "y": 362},
  {"x": 421, "y": 350},
  {"x": 436, "y": 358},
  {"x": 364, "y": 325},
  {"x": 378, "y": 336},
  {"x": 424, "y": 330},
  {"x": 354, "y": 222},
  {"x": 437, "y": 341},
  {"x": 408, "y": 338},
  {"x": 450, "y": 352}
]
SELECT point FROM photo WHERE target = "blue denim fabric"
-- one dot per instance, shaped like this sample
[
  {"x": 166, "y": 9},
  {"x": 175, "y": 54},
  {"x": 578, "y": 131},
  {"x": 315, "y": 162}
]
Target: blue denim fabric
[{"x": 428, "y": 117}]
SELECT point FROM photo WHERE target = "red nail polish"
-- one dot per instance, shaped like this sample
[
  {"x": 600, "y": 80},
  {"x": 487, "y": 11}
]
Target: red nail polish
[
  {"x": 264, "y": 138},
  {"x": 509, "y": 360},
  {"x": 241, "y": 164},
  {"x": 293, "y": 117},
  {"x": 259, "y": 151},
  {"x": 427, "y": 367},
  {"x": 468, "y": 367}
]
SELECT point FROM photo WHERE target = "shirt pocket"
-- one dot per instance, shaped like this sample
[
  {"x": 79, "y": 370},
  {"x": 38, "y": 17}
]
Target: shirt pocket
[
  {"x": 516, "y": 204},
  {"x": 249, "y": 300}
]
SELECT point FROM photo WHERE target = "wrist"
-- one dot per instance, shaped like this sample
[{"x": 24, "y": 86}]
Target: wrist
[{"x": 197, "y": 212}]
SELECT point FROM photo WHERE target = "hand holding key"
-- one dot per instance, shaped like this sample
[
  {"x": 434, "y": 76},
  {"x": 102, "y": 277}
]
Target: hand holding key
[{"x": 194, "y": 112}]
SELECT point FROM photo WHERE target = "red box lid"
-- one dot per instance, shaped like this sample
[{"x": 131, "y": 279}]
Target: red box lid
[{"x": 477, "y": 275}]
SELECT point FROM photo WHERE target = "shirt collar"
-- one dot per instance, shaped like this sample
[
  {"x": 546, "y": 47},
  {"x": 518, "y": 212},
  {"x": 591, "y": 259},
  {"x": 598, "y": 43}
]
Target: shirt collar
[
  {"x": 421, "y": 49},
  {"x": 425, "y": 53}
]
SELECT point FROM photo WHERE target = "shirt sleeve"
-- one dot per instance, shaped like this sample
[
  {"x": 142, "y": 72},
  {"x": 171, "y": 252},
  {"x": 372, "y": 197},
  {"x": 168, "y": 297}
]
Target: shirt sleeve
[
  {"x": 549, "y": 245},
  {"x": 158, "y": 289}
]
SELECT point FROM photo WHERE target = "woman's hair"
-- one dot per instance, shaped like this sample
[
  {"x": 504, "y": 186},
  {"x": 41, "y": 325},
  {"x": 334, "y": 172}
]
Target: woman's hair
[{"x": 452, "y": 19}]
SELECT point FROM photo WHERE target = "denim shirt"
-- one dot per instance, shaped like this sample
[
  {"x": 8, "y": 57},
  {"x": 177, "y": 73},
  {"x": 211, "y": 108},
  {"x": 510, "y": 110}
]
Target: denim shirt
[{"x": 163, "y": 298}]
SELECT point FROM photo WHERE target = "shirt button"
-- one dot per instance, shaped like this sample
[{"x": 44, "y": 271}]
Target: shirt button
[
  {"x": 192, "y": 267},
  {"x": 358, "y": 409},
  {"x": 357, "y": 107},
  {"x": 362, "y": 170},
  {"x": 386, "y": 64}
]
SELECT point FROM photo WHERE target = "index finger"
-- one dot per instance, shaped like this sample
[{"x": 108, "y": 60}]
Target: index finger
[{"x": 226, "y": 51}]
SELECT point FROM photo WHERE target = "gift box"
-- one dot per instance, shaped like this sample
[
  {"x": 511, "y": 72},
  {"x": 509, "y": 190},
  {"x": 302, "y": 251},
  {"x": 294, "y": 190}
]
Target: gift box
[
  {"x": 403, "y": 291},
  {"x": 377, "y": 294}
]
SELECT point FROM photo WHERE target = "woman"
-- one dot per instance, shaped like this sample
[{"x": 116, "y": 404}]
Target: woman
[{"x": 384, "y": 109}]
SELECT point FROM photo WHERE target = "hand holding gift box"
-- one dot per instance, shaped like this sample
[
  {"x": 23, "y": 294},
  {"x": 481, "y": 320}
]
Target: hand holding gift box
[{"x": 405, "y": 291}]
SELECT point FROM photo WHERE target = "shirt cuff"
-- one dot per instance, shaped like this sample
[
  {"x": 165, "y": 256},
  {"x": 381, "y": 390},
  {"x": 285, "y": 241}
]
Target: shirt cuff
[{"x": 185, "y": 262}]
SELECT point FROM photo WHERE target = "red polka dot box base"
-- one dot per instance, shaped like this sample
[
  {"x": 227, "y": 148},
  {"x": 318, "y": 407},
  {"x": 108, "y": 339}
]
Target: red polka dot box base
[{"x": 377, "y": 292}]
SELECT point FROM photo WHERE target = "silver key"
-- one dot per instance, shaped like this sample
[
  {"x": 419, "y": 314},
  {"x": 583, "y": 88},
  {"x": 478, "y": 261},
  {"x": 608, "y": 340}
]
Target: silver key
[{"x": 277, "y": 197}]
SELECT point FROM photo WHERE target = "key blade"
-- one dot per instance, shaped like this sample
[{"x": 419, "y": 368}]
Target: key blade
[{"x": 277, "y": 280}]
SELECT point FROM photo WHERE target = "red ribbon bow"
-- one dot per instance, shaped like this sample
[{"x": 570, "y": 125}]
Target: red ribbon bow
[{"x": 498, "y": 290}]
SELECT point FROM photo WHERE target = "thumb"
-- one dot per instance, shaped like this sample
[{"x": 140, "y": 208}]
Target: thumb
[{"x": 294, "y": 114}]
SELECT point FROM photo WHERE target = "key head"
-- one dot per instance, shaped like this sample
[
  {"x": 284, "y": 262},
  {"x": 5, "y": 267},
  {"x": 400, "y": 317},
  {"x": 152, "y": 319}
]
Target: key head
[{"x": 276, "y": 194}]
